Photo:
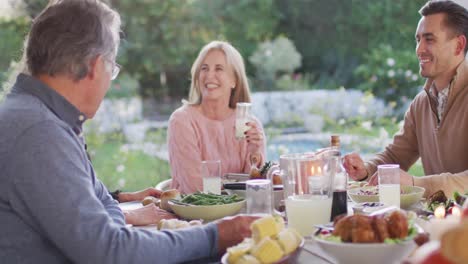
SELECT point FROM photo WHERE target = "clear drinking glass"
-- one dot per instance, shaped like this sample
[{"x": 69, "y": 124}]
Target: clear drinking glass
[
  {"x": 309, "y": 194},
  {"x": 211, "y": 175},
  {"x": 259, "y": 196},
  {"x": 389, "y": 184},
  {"x": 242, "y": 117}
]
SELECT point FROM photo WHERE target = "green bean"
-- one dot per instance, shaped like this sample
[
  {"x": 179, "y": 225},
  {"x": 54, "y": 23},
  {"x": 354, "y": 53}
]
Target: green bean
[{"x": 209, "y": 199}]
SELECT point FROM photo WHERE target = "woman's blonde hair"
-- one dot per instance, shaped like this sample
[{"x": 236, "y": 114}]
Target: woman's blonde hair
[{"x": 241, "y": 93}]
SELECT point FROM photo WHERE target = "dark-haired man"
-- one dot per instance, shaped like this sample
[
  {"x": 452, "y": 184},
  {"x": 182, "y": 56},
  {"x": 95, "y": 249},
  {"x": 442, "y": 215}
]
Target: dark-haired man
[{"x": 436, "y": 124}]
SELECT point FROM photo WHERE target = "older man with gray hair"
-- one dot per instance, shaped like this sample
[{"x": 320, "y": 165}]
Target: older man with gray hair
[{"x": 53, "y": 209}]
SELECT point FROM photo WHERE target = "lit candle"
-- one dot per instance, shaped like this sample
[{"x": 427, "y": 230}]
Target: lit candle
[
  {"x": 439, "y": 212},
  {"x": 439, "y": 225},
  {"x": 456, "y": 211},
  {"x": 315, "y": 180}
]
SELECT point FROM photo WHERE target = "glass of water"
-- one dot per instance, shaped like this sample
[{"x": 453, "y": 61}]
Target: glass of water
[
  {"x": 259, "y": 196},
  {"x": 389, "y": 184},
  {"x": 242, "y": 117},
  {"x": 211, "y": 175}
]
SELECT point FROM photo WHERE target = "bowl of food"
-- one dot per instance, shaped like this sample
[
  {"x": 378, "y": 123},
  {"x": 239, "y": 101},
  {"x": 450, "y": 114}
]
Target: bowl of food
[
  {"x": 271, "y": 242},
  {"x": 206, "y": 206},
  {"x": 370, "y": 239},
  {"x": 409, "y": 195}
]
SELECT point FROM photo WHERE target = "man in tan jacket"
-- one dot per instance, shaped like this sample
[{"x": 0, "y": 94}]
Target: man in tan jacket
[{"x": 436, "y": 124}]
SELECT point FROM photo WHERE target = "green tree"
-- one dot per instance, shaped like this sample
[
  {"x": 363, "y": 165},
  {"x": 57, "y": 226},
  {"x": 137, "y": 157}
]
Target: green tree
[
  {"x": 12, "y": 34},
  {"x": 333, "y": 35},
  {"x": 244, "y": 23},
  {"x": 164, "y": 37},
  {"x": 161, "y": 38}
]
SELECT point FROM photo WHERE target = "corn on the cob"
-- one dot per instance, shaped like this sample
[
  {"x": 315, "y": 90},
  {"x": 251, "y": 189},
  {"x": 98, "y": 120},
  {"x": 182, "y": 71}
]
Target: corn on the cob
[
  {"x": 267, "y": 251},
  {"x": 236, "y": 252},
  {"x": 288, "y": 240},
  {"x": 247, "y": 259},
  {"x": 265, "y": 227}
]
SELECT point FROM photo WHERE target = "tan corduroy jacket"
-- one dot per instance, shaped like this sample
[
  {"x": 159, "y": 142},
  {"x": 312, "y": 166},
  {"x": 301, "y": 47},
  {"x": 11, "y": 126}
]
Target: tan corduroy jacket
[{"x": 443, "y": 147}]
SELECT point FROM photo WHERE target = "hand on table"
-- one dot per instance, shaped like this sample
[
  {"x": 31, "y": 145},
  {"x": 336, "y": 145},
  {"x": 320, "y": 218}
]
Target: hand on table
[
  {"x": 146, "y": 215},
  {"x": 138, "y": 195},
  {"x": 405, "y": 179},
  {"x": 354, "y": 166},
  {"x": 232, "y": 230}
]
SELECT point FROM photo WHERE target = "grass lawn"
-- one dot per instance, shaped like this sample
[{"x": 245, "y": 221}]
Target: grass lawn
[
  {"x": 127, "y": 170},
  {"x": 416, "y": 169}
]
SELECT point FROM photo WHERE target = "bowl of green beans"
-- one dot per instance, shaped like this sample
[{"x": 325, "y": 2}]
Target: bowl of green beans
[{"x": 206, "y": 206}]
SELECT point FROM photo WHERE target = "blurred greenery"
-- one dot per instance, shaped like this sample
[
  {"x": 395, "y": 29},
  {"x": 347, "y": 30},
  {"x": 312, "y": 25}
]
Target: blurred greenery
[
  {"x": 119, "y": 166},
  {"x": 393, "y": 70},
  {"x": 130, "y": 171},
  {"x": 12, "y": 33},
  {"x": 162, "y": 39},
  {"x": 416, "y": 169}
]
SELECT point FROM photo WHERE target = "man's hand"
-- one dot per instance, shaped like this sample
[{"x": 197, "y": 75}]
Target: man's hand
[
  {"x": 232, "y": 230},
  {"x": 139, "y": 195},
  {"x": 355, "y": 166},
  {"x": 150, "y": 214},
  {"x": 405, "y": 179}
]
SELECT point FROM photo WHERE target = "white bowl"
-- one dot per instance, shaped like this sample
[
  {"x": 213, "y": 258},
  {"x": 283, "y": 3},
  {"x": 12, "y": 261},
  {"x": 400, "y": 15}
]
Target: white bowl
[
  {"x": 380, "y": 253},
  {"x": 410, "y": 195},
  {"x": 205, "y": 212}
]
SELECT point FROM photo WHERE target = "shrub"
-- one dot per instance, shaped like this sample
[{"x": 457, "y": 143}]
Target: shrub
[
  {"x": 273, "y": 59},
  {"x": 390, "y": 74}
]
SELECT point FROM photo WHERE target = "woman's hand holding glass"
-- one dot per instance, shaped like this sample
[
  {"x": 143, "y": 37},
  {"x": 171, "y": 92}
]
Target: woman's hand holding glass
[{"x": 254, "y": 137}]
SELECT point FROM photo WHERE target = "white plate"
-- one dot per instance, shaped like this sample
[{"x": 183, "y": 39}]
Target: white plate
[{"x": 380, "y": 253}]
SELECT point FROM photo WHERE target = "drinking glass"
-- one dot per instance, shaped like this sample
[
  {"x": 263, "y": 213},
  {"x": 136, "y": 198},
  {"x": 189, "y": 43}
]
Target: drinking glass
[
  {"x": 259, "y": 196},
  {"x": 309, "y": 194},
  {"x": 211, "y": 175},
  {"x": 242, "y": 117},
  {"x": 389, "y": 184}
]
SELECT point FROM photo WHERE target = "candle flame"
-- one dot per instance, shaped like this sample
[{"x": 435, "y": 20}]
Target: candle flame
[
  {"x": 456, "y": 211},
  {"x": 439, "y": 212}
]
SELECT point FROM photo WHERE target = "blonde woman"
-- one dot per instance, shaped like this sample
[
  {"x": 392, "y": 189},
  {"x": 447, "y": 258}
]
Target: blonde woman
[{"x": 204, "y": 127}]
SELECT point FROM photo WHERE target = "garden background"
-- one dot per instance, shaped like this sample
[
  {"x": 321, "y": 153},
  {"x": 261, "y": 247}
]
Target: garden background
[{"x": 316, "y": 67}]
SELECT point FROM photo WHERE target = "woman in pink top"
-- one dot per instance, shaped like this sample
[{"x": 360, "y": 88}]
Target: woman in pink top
[{"x": 204, "y": 127}]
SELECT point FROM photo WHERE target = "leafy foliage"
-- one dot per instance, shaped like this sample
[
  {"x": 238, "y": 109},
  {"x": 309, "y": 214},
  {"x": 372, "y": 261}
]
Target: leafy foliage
[
  {"x": 12, "y": 33},
  {"x": 273, "y": 59},
  {"x": 390, "y": 74},
  {"x": 333, "y": 35}
]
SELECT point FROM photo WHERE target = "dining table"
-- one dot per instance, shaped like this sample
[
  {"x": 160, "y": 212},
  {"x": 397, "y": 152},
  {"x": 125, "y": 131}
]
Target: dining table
[{"x": 310, "y": 253}]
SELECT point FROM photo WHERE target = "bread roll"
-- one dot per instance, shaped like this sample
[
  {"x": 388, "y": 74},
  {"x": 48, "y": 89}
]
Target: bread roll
[
  {"x": 149, "y": 200},
  {"x": 166, "y": 196}
]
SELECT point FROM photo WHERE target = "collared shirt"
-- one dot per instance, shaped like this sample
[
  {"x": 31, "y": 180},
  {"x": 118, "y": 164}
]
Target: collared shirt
[
  {"x": 440, "y": 98},
  {"x": 53, "y": 209}
]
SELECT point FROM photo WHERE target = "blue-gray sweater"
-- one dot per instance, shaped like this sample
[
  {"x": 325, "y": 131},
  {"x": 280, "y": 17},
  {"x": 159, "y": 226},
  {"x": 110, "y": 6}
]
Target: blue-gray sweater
[{"x": 53, "y": 209}]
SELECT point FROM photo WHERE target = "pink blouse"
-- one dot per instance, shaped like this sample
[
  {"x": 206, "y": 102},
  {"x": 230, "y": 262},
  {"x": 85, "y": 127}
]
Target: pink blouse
[{"x": 192, "y": 138}]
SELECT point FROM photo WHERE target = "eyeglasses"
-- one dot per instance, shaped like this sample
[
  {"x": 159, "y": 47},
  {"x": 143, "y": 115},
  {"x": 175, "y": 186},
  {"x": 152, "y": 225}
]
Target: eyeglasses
[{"x": 115, "y": 69}]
